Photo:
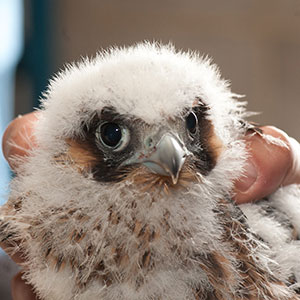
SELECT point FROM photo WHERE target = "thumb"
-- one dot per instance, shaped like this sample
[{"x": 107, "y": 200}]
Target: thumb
[
  {"x": 269, "y": 165},
  {"x": 18, "y": 137},
  {"x": 21, "y": 290}
]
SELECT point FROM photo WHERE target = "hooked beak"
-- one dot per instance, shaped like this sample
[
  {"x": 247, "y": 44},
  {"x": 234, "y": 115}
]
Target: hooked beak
[{"x": 166, "y": 158}]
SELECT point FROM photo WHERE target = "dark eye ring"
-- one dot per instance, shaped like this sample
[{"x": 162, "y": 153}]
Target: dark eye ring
[
  {"x": 113, "y": 136},
  {"x": 191, "y": 122}
]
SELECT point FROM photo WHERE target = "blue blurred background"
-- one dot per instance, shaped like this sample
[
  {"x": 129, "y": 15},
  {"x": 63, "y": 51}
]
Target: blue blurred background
[
  {"x": 25, "y": 54},
  {"x": 11, "y": 37},
  {"x": 255, "y": 43}
]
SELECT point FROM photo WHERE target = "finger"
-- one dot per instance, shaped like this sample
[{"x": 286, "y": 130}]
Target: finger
[
  {"x": 18, "y": 137},
  {"x": 17, "y": 140},
  {"x": 269, "y": 166},
  {"x": 21, "y": 290}
]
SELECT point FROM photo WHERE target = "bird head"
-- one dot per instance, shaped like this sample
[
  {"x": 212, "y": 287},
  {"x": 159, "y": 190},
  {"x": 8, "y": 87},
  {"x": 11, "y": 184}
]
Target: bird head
[{"x": 147, "y": 113}]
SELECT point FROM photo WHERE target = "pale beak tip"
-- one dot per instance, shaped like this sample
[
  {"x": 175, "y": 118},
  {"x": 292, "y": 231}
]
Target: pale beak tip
[{"x": 174, "y": 179}]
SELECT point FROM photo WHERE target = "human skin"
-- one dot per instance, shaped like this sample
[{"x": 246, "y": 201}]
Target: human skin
[{"x": 269, "y": 166}]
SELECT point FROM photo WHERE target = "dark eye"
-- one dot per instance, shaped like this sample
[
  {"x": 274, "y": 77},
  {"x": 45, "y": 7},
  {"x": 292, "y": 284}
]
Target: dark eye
[
  {"x": 191, "y": 122},
  {"x": 113, "y": 135}
]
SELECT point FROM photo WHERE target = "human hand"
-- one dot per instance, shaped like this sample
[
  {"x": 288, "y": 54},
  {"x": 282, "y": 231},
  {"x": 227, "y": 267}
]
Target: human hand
[
  {"x": 16, "y": 140},
  {"x": 269, "y": 165}
]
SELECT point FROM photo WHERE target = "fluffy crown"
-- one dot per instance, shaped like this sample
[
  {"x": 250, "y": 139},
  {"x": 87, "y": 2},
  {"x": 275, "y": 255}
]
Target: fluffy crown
[{"x": 150, "y": 81}]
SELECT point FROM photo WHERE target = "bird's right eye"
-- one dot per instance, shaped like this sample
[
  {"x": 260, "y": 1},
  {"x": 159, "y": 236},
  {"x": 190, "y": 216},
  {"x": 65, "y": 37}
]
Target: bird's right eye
[
  {"x": 191, "y": 123},
  {"x": 113, "y": 136}
]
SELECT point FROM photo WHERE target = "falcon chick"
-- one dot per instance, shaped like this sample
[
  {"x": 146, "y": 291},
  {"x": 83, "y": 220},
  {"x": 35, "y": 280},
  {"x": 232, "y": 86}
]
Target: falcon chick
[{"x": 128, "y": 194}]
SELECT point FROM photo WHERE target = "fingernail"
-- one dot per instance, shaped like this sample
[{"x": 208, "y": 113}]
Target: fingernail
[{"x": 248, "y": 179}]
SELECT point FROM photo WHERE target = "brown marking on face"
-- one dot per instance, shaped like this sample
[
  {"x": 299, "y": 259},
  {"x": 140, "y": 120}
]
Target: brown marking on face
[
  {"x": 212, "y": 144},
  {"x": 203, "y": 143},
  {"x": 86, "y": 158},
  {"x": 78, "y": 155},
  {"x": 215, "y": 144}
]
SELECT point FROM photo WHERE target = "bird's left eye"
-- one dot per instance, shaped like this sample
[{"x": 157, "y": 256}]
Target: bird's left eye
[
  {"x": 112, "y": 135},
  {"x": 191, "y": 122}
]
